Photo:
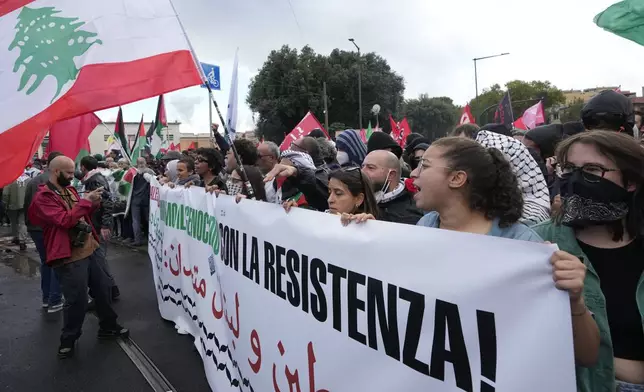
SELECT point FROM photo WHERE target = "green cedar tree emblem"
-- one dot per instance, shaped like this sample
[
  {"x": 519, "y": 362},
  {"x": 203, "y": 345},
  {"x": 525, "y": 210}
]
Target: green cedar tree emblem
[{"x": 48, "y": 45}]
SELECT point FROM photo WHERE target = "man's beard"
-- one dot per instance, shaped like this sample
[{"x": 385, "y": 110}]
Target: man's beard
[
  {"x": 63, "y": 181},
  {"x": 377, "y": 185}
]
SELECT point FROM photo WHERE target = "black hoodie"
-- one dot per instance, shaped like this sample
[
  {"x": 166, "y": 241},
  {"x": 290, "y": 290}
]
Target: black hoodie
[
  {"x": 383, "y": 141},
  {"x": 546, "y": 137}
]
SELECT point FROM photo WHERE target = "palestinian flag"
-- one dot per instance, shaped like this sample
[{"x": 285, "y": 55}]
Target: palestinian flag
[
  {"x": 155, "y": 134},
  {"x": 139, "y": 143},
  {"x": 119, "y": 132},
  {"x": 125, "y": 187},
  {"x": 64, "y": 58}
]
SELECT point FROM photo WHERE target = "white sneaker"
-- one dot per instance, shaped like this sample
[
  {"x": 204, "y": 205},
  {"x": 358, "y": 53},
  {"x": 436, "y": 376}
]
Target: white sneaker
[{"x": 55, "y": 308}]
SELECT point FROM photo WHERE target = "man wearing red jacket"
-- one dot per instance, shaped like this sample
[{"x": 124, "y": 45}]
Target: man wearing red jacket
[{"x": 71, "y": 242}]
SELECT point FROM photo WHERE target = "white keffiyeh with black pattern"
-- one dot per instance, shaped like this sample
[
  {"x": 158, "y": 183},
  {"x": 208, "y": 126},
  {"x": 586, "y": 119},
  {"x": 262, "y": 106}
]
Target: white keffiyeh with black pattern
[{"x": 536, "y": 195}]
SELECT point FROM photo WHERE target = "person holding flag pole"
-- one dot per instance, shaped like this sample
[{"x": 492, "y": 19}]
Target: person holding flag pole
[{"x": 242, "y": 172}]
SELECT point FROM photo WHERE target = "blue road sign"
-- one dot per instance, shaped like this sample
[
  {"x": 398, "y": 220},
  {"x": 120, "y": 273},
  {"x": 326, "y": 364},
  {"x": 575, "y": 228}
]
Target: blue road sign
[{"x": 212, "y": 76}]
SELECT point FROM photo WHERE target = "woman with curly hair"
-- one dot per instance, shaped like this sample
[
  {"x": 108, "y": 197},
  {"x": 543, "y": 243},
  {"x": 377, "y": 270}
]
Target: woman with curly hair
[
  {"x": 470, "y": 188},
  {"x": 473, "y": 189}
]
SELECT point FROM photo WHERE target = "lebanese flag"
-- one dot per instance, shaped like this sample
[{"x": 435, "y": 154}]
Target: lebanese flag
[
  {"x": 534, "y": 116},
  {"x": 308, "y": 124},
  {"x": 466, "y": 116},
  {"x": 400, "y": 130},
  {"x": 70, "y": 136},
  {"x": 60, "y": 59}
]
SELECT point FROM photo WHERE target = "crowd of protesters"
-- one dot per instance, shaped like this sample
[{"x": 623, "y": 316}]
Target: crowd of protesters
[{"x": 577, "y": 185}]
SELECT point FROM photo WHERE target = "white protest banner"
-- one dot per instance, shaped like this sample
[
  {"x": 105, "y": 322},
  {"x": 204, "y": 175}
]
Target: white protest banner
[{"x": 296, "y": 302}]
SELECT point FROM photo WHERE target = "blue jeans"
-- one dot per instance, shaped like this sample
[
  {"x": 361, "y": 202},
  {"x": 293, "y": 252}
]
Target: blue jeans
[
  {"x": 48, "y": 280},
  {"x": 140, "y": 214},
  {"x": 628, "y": 387}
]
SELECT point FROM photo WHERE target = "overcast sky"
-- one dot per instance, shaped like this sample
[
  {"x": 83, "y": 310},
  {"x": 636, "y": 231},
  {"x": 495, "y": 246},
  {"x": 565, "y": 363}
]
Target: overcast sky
[{"x": 431, "y": 43}]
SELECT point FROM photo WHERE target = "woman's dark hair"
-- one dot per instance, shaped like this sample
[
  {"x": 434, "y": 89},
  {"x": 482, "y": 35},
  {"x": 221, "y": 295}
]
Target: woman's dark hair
[
  {"x": 628, "y": 156},
  {"x": 247, "y": 151},
  {"x": 214, "y": 159},
  {"x": 256, "y": 181},
  {"x": 492, "y": 186},
  {"x": 190, "y": 164},
  {"x": 89, "y": 162},
  {"x": 469, "y": 130},
  {"x": 358, "y": 183}
]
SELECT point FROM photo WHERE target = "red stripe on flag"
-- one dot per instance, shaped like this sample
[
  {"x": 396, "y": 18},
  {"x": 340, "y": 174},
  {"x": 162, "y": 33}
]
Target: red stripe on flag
[
  {"x": 7, "y": 6},
  {"x": 99, "y": 86}
]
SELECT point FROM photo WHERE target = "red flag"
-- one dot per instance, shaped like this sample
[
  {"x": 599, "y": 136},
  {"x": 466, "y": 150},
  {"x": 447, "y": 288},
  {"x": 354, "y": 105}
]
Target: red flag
[
  {"x": 70, "y": 136},
  {"x": 400, "y": 131},
  {"x": 519, "y": 124},
  {"x": 308, "y": 123},
  {"x": 467, "y": 117},
  {"x": 534, "y": 116},
  {"x": 192, "y": 146}
]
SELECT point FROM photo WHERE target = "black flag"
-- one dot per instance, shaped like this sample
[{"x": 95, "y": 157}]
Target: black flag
[{"x": 503, "y": 114}]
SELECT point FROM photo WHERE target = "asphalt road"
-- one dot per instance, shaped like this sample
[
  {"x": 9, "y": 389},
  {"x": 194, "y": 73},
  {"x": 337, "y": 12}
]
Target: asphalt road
[{"x": 29, "y": 336}]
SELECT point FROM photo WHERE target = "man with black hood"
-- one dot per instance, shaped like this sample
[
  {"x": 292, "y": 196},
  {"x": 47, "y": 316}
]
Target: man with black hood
[
  {"x": 310, "y": 146},
  {"x": 544, "y": 139},
  {"x": 102, "y": 217},
  {"x": 609, "y": 111}
]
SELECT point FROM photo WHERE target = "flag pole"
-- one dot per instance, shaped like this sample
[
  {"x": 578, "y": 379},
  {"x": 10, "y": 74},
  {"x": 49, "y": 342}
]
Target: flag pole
[
  {"x": 240, "y": 166},
  {"x": 212, "y": 132},
  {"x": 118, "y": 142}
]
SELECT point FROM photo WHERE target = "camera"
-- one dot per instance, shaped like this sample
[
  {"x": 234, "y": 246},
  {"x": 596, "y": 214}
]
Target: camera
[{"x": 78, "y": 234}]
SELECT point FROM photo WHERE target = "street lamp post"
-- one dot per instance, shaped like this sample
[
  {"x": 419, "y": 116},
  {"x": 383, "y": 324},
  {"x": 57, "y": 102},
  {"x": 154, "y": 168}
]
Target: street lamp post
[
  {"x": 476, "y": 80},
  {"x": 359, "y": 82}
]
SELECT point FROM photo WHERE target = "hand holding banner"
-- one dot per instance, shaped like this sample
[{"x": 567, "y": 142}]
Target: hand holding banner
[{"x": 273, "y": 306}]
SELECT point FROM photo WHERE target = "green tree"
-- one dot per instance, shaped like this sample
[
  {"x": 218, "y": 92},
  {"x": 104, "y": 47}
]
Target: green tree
[
  {"x": 48, "y": 45},
  {"x": 431, "y": 117},
  {"x": 573, "y": 111},
  {"x": 523, "y": 95},
  {"x": 289, "y": 84}
]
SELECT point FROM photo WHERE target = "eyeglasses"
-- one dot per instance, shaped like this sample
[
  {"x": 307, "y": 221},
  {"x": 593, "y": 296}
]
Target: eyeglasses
[
  {"x": 423, "y": 164},
  {"x": 590, "y": 172},
  {"x": 200, "y": 159}
]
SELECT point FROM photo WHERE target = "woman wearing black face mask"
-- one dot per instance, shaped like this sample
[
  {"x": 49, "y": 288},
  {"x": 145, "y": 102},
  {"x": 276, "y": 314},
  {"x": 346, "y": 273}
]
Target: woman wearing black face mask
[{"x": 601, "y": 222}]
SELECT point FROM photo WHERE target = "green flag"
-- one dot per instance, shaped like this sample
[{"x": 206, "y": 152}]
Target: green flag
[
  {"x": 369, "y": 131},
  {"x": 625, "y": 19},
  {"x": 139, "y": 143}
]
